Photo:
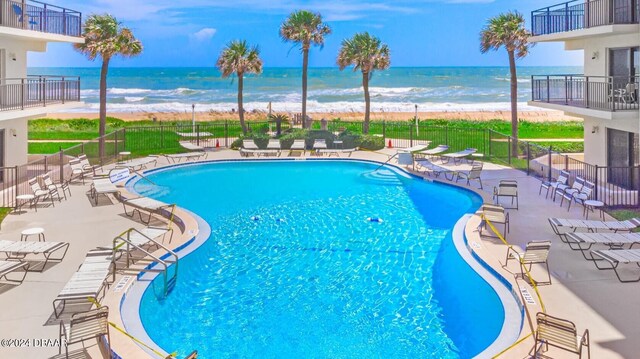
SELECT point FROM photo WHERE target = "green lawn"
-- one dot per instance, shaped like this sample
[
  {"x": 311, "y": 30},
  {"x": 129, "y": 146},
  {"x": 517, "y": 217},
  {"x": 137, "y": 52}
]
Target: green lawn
[
  {"x": 45, "y": 148},
  {"x": 4, "y": 211}
]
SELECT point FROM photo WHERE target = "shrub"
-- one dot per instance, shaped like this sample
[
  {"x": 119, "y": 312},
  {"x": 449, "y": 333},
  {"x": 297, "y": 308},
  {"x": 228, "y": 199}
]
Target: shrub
[
  {"x": 261, "y": 140},
  {"x": 286, "y": 140},
  {"x": 370, "y": 142},
  {"x": 317, "y": 135}
]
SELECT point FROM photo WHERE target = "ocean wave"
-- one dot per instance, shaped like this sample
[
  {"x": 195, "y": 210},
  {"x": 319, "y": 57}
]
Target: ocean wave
[
  {"x": 127, "y": 91},
  {"x": 133, "y": 99},
  {"x": 508, "y": 79},
  {"x": 312, "y": 107}
]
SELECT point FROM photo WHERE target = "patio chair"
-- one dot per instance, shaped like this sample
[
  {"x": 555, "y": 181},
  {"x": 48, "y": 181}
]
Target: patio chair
[
  {"x": 20, "y": 250},
  {"x": 582, "y": 196},
  {"x": 21, "y": 16},
  {"x": 626, "y": 94},
  {"x": 494, "y": 214},
  {"x": 616, "y": 257},
  {"x": 298, "y": 146},
  {"x": 506, "y": 188},
  {"x": 536, "y": 252},
  {"x": 84, "y": 161},
  {"x": 41, "y": 194},
  {"x": 56, "y": 187},
  {"x": 584, "y": 241},
  {"x": 77, "y": 171},
  {"x": 93, "y": 324},
  {"x": 9, "y": 267},
  {"x": 561, "y": 334},
  {"x": 458, "y": 156},
  {"x": 471, "y": 175},
  {"x": 567, "y": 192},
  {"x": 562, "y": 180}
]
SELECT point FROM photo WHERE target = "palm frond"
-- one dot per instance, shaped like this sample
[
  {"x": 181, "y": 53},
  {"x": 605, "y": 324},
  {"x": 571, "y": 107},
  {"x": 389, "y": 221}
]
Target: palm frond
[
  {"x": 105, "y": 38},
  {"x": 506, "y": 30}
]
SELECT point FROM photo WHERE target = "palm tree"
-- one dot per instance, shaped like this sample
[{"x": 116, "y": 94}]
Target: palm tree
[
  {"x": 239, "y": 58},
  {"x": 507, "y": 29},
  {"x": 104, "y": 37},
  {"x": 305, "y": 28},
  {"x": 367, "y": 53}
]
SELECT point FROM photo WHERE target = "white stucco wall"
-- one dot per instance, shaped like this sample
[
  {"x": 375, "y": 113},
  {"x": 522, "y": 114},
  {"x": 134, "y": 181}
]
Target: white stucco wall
[
  {"x": 595, "y": 144},
  {"x": 15, "y": 141},
  {"x": 600, "y": 45},
  {"x": 15, "y": 55}
]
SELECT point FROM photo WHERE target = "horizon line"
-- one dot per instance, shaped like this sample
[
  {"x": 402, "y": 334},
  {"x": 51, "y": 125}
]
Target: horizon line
[{"x": 297, "y": 67}]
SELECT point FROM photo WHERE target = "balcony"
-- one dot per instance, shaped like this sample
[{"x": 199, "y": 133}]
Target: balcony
[
  {"x": 38, "y": 91},
  {"x": 602, "y": 93},
  {"x": 584, "y": 14},
  {"x": 41, "y": 17}
]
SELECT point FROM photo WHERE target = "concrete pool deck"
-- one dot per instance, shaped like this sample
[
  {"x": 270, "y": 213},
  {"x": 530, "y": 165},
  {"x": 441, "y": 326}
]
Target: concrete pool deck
[{"x": 590, "y": 298}]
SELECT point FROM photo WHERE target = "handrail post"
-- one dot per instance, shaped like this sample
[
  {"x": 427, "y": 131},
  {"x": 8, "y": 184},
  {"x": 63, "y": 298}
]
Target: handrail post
[
  {"x": 548, "y": 90},
  {"x": 596, "y": 186},
  {"x": 63, "y": 88},
  {"x": 611, "y": 93},
  {"x": 24, "y": 20},
  {"x": 566, "y": 16},
  {"x": 64, "y": 21},
  {"x": 586, "y": 92}
]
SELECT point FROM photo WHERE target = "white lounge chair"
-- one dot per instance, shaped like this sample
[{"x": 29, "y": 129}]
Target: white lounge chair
[
  {"x": 249, "y": 148},
  {"x": 89, "y": 281},
  {"x": 319, "y": 144},
  {"x": 274, "y": 147},
  {"x": 434, "y": 151},
  {"x": 298, "y": 146},
  {"x": 562, "y": 180},
  {"x": 191, "y": 146},
  {"x": 430, "y": 168},
  {"x": 583, "y": 241},
  {"x": 10, "y": 267},
  {"x": 145, "y": 204},
  {"x": 416, "y": 148},
  {"x": 89, "y": 325},
  {"x": 138, "y": 164},
  {"x": 458, "y": 156},
  {"x": 103, "y": 186},
  {"x": 617, "y": 257},
  {"x": 189, "y": 156},
  {"x": 337, "y": 151},
  {"x": 562, "y": 226},
  {"x": 20, "y": 250}
]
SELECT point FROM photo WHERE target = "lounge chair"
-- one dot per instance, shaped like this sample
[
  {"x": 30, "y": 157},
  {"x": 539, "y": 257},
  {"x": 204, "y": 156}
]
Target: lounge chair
[
  {"x": 20, "y": 250},
  {"x": 337, "y": 151},
  {"x": 431, "y": 168},
  {"x": 458, "y": 156},
  {"x": 559, "y": 333},
  {"x": 88, "y": 282},
  {"x": 416, "y": 148},
  {"x": 562, "y": 180},
  {"x": 536, "y": 252},
  {"x": 319, "y": 144},
  {"x": 41, "y": 194},
  {"x": 567, "y": 192},
  {"x": 144, "y": 204},
  {"x": 494, "y": 214},
  {"x": 584, "y": 241},
  {"x": 506, "y": 188},
  {"x": 249, "y": 148},
  {"x": 9, "y": 267},
  {"x": 617, "y": 257},
  {"x": 562, "y": 226},
  {"x": 433, "y": 152},
  {"x": 274, "y": 146},
  {"x": 138, "y": 164},
  {"x": 471, "y": 175},
  {"x": 189, "y": 156},
  {"x": 103, "y": 186},
  {"x": 84, "y": 161},
  {"x": 56, "y": 187},
  {"x": 298, "y": 146},
  {"x": 191, "y": 146},
  {"x": 92, "y": 324}
]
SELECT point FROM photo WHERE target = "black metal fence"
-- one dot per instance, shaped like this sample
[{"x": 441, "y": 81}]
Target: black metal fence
[
  {"x": 37, "y": 91},
  {"x": 606, "y": 93},
  {"x": 39, "y": 16},
  {"x": 581, "y": 14}
]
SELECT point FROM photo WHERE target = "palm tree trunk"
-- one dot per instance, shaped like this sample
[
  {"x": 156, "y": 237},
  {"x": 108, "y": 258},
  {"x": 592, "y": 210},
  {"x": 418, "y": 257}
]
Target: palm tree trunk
[
  {"x": 514, "y": 103},
  {"x": 240, "y": 106},
  {"x": 305, "y": 64},
  {"x": 367, "y": 102},
  {"x": 103, "y": 106}
]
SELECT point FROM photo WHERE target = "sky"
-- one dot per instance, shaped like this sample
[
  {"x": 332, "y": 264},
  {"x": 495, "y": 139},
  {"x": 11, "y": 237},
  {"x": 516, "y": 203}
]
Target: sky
[{"x": 191, "y": 33}]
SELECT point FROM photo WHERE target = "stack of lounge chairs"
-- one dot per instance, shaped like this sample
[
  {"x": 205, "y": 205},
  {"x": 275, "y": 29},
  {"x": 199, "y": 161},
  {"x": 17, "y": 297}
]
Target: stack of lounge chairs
[
  {"x": 188, "y": 156},
  {"x": 615, "y": 235},
  {"x": 457, "y": 157}
]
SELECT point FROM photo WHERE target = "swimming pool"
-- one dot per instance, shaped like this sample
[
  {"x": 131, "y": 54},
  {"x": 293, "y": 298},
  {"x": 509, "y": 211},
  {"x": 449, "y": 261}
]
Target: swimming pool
[{"x": 296, "y": 267}]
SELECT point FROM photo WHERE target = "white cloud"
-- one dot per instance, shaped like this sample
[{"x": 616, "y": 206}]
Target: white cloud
[{"x": 204, "y": 34}]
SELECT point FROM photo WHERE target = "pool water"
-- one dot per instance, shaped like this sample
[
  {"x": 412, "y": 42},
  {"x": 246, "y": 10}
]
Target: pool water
[{"x": 294, "y": 269}]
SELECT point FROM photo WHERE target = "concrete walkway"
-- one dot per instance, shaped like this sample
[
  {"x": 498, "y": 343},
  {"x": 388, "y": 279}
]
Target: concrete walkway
[{"x": 590, "y": 298}]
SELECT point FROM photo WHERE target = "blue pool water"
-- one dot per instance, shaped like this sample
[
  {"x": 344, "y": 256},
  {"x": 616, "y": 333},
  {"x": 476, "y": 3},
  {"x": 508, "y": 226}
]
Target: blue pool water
[{"x": 293, "y": 268}]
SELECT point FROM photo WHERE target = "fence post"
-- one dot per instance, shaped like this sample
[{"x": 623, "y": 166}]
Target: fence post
[
  {"x": 384, "y": 130},
  {"x": 61, "y": 166},
  {"x": 410, "y": 136},
  {"x": 509, "y": 150},
  {"x": 528, "y": 158},
  {"x": 490, "y": 152},
  {"x": 226, "y": 133},
  {"x": 124, "y": 139},
  {"x": 446, "y": 135},
  {"x": 596, "y": 186},
  {"x": 161, "y": 136},
  {"x": 550, "y": 154},
  {"x": 198, "y": 134},
  {"x": 82, "y": 147},
  {"x": 115, "y": 150}
]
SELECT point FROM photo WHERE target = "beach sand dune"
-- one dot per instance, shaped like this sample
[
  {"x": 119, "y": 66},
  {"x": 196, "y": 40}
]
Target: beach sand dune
[{"x": 532, "y": 116}]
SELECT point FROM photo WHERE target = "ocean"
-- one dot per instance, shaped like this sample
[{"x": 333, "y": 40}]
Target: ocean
[{"x": 330, "y": 90}]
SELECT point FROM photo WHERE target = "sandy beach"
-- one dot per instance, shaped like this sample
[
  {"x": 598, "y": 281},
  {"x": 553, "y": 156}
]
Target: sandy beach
[{"x": 533, "y": 116}]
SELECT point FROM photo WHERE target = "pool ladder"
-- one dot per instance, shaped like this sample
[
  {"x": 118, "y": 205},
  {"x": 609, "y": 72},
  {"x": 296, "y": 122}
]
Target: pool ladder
[
  {"x": 153, "y": 262},
  {"x": 386, "y": 162}
]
